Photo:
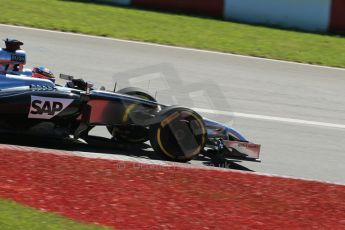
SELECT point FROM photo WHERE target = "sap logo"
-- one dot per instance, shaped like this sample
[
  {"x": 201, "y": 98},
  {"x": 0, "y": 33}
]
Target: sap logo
[
  {"x": 47, "y": 107},
  {"x": 40, "y": 107}
]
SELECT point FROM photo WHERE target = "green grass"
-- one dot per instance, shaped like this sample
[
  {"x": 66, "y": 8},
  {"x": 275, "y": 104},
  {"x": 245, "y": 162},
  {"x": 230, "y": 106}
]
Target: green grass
[
  {"x": 172, "y": 29},
  {"x": 17, "y": 217}
]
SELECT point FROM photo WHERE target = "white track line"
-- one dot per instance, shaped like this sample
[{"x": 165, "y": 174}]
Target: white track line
[
  {"x": 271, "y": 118},
  {"x": 170, "y": 47}
]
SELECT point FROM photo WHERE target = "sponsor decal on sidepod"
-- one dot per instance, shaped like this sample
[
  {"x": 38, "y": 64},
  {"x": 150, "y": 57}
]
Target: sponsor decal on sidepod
[{"x": 47, "y": 107}]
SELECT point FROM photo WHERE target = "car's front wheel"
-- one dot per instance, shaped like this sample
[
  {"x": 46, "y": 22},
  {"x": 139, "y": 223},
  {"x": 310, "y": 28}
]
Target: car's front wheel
[{"x": 179, "y": 134}]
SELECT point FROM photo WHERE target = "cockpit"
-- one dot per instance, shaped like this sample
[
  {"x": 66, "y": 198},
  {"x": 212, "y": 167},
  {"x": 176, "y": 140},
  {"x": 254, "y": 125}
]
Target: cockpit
[{"x": 12, "y": 72}]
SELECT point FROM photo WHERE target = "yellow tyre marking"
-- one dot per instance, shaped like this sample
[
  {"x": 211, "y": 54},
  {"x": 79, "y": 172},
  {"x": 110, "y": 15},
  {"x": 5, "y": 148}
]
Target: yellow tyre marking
[
  {"x": 161, "y": 145},
  {"x": 127, "y": 111},
  {"x": 167, "y": 121}
]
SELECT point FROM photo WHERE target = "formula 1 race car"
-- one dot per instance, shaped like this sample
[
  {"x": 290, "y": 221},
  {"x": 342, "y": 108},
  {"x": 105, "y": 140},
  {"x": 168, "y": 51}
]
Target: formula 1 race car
[{"x": 131, "y": 115}]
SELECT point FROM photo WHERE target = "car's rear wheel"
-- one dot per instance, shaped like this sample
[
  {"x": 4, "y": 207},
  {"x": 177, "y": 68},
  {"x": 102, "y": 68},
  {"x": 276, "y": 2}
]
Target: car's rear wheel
[
  {"x": 137, "y": 92},
  {"x": 131, "y": 133},
  {"x": 179, "y": 134}
]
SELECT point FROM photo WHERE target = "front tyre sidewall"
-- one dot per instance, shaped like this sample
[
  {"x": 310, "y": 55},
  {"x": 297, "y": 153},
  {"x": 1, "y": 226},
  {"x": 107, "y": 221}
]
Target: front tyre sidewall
[{"x": 180, "y": 134}]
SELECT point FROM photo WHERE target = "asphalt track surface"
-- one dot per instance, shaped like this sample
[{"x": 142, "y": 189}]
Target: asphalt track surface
[{"x": 229, "y": 83}]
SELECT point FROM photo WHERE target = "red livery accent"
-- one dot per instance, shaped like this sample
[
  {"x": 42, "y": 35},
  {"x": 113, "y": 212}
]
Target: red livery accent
[
  {"x": 104, "y": 112},
  {"x": 338, "y": 16},
  {"x": 204, "y": 7},
  {"x": 250, "y": 149},
  {"x": 97, "y": 110}
]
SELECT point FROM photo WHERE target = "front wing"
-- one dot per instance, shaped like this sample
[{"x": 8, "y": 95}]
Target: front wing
[{"x": 243, "y": 150}]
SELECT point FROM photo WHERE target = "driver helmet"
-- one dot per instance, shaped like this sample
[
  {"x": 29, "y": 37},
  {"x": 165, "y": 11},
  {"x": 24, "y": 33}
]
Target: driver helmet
[{"x": 42, "y": 72}]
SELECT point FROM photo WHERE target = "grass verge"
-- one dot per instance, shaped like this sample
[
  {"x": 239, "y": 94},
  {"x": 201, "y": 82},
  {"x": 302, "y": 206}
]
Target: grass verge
[
  {"x": 210, "y": 34},
  {"x": 15, "y": 217}
]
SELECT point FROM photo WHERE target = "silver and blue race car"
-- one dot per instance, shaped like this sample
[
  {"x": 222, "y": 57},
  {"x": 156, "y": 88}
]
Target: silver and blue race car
[{"x": 131, "y": 115}]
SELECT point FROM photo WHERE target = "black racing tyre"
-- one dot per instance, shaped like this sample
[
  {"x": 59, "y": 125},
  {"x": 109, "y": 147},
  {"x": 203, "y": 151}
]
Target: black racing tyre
[
  {"x": 132, "y": 133},
  {"x": 179, "y": 135},
  {"x": 137, "y": 92}
]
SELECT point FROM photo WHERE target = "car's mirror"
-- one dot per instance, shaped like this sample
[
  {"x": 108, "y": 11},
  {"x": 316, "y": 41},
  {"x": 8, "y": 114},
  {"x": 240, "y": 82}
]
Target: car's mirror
[{"x": 66, "y": 77}]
